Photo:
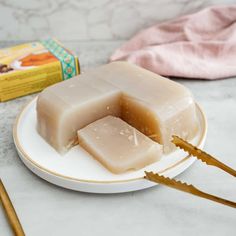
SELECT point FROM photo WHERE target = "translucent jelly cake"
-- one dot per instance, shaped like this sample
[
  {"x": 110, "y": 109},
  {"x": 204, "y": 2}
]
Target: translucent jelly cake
[
  {"x": 154, "y": 105},
  {"x": 117, "y": 145}
]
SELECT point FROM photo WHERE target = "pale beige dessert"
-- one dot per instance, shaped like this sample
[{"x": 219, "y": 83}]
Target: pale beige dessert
[
  {"x": 66, "y": 107},
  {"x": 156, "y": 106},
  {"x": 118, "y": 146}
]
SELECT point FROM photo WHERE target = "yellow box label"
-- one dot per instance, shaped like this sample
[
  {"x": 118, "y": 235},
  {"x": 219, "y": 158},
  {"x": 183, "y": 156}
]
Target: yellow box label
[{"x": 31, "y": 67}]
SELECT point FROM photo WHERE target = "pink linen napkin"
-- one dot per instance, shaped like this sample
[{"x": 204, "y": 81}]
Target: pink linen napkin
[{"x": 200, "y": 45}]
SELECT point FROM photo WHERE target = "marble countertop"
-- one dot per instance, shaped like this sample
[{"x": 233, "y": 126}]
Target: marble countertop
[{"x": 45, "y": 209}]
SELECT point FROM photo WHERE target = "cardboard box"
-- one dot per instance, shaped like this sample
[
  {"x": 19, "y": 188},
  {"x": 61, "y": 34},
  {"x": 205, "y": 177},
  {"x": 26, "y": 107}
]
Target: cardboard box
[{"x": 31, "y": 67}]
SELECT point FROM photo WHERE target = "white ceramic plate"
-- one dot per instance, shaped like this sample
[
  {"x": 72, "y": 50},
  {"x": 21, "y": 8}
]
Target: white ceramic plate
[{"x": 77, "y": 170}]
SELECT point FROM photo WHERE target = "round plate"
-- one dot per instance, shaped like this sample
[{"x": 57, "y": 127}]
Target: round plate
[{"x": 78, "y": 170}]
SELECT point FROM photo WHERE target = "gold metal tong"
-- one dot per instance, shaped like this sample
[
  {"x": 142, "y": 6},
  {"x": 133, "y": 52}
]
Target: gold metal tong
[{"x": 201, "y": 155}]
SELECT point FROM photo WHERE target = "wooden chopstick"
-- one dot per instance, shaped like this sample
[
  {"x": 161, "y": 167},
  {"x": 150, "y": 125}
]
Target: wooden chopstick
[
  {"x": 10, "y": 211},
  {"x": 172, "y": 183},
  {"x": 201, "y": 155}
]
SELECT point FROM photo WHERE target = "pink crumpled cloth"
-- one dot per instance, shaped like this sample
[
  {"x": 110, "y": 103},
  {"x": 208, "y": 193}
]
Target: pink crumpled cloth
[{"x": 200, "y": 45}]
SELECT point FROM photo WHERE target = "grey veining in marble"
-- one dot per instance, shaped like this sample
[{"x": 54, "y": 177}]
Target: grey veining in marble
[
  {"x": 45, "y": 209},
  {"x": 88, "y": 19}
]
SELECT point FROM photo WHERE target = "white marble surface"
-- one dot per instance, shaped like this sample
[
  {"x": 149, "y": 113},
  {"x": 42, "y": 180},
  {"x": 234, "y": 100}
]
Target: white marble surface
[
  {"x": 88, "y": 19},
  {"x": 45, "y": 209}
]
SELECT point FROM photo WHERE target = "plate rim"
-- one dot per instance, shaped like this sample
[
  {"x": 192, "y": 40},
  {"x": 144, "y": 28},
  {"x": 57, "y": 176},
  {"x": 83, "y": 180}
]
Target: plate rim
[{"x": 58, "y": 175}]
